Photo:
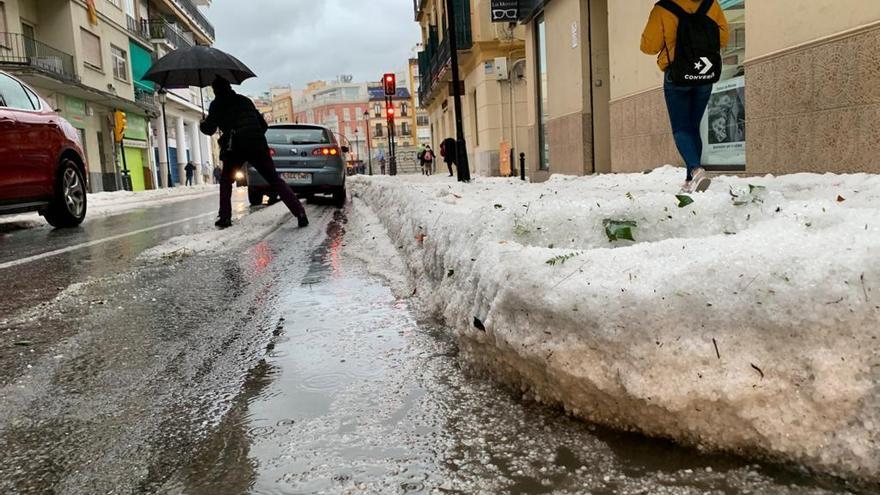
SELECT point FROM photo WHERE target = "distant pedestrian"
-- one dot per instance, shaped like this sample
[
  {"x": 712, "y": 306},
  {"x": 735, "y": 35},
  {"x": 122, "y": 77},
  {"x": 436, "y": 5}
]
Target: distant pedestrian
[
  {"x": 449, "y": 150},
  {"x": 190, "y": 170},
  {"x": 688, "y": 49},
  {"x": 381, "y": 158},
  {"x": 428, "y": 161},
  {"x": 217, "y": 173},
  {"x": 244, "y": 129}
]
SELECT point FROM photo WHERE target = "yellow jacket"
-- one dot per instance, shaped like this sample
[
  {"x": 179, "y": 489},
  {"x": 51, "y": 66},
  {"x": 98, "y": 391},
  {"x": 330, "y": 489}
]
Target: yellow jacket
[{"x": 659, "y": 36}]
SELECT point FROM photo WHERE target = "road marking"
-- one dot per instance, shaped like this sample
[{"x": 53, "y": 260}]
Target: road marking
[{"x": 37, "y": 257}]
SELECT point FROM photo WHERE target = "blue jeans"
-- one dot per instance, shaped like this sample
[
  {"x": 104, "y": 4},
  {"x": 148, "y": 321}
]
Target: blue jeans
[{"x": 686, "y": 105}]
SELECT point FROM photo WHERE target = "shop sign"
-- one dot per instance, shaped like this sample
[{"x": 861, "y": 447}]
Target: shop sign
[
  {"x": 75, "y": 111},
  {"x": 505, "y": 10},
  {"x": 724, "y": 124},
  {"x": 136, "y": 127}
]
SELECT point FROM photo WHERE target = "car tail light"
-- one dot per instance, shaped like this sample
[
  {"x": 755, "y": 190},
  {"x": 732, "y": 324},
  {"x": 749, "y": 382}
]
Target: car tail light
[{"x": 326, "y": 151}]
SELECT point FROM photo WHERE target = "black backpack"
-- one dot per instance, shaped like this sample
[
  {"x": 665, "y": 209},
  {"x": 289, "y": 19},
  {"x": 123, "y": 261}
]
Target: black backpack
[{"x": 697, "y": 59}]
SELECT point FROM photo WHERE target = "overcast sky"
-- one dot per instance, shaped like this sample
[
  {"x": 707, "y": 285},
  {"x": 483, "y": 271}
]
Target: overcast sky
[{"x": 298, "y": 41}]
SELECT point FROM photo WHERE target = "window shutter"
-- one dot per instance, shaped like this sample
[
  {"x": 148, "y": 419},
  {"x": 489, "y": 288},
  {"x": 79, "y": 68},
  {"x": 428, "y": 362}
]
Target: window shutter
[{"x": 91, "y": 49}]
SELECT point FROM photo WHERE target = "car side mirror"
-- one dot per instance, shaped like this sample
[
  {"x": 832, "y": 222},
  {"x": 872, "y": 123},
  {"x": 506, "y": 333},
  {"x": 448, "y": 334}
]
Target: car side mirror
[{"x": 345, "y": 149}]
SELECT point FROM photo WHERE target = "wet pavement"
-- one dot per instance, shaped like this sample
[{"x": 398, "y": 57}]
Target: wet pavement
[{"x": 287, "y": 369}]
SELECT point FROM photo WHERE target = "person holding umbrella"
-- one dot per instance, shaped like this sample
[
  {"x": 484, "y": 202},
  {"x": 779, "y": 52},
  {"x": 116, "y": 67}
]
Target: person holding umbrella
[{"x": 244, "y": 129}]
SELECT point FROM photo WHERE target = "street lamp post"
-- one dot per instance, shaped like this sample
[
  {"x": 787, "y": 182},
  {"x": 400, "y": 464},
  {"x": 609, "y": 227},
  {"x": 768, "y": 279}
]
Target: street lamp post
[
  {"x": 369, "y": 152},
  {"x": 461, "y": 158},
  {"x": 163, "y": 98}
]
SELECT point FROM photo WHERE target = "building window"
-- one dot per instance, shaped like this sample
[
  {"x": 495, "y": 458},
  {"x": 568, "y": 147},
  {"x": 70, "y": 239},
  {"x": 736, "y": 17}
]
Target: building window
[
  {"x": 346, "y": 114},
  {"x": 404, "y": 128},
  {"x": 377, "y": 110},
  {"x": 403, "y": 109},
  {"x": 358, "y": 113},
  {"x": 422, "y": 121},
  {"x": 120, "y": 63},
  {"x": 115, "y": 2},
  {"x": 378, "y": 132},
  {"x": 542, "y": 96},
  {"x": 91, "y": 49},
  {"x": 476, "y": 118}
]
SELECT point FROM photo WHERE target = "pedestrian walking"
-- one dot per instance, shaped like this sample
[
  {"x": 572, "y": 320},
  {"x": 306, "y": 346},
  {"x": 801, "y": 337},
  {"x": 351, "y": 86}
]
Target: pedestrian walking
[
  {"x": 381, "y": 158},
  {"x": 217, "y": 173},
  {"x": 420, "y": 156},
  {"x": 448, "y": 150},
  {"x": 687, "y": 36},
  {"x": 428, "y": 159},
  {"x": 190, "y": 170},
  {"x": 244, "y": 130}
]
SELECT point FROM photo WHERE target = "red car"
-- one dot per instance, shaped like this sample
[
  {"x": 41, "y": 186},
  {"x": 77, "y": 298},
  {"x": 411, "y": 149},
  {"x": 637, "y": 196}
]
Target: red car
[{"x": 42, "y": 165}]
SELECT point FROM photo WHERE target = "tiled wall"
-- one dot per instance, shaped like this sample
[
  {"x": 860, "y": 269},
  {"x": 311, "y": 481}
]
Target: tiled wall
[
  {"x": 571, "y": 148},
  {"x": 641, "y": 137},
  {"x": 816, "y": 108}
]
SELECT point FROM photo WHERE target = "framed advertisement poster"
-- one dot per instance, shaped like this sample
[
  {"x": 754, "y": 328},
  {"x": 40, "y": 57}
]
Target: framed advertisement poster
[{"x": 724, "y": 124}]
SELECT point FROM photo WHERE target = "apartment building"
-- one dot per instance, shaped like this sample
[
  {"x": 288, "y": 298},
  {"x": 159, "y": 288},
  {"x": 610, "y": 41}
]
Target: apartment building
[
  {"x": 339, "y": 105},
  {"x": 419, "y": 120},
  {"x": 282, "y": 104},
  {"x": 87, "y": 59},
  {"x": 798, "y": 92},
  {"x": 491, "y": 60},
  {"x": 172, "y": 24}
]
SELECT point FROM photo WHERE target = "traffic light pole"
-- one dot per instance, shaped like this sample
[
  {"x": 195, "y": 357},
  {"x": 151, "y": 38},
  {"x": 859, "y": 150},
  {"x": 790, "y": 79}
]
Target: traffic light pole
[
  {"x": 461, "y": 157},
  {"x": 126, "y": 176}
]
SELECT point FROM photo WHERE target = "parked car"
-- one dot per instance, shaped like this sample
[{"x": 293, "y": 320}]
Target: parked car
[
  {"x": 309, "y": 159},
  {"x": 42, "y": 164}
]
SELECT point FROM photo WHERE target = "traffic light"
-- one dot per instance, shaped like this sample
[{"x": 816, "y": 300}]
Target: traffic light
[
  {"x": 389, "y": 82},
  {"x": 119, "y": 123},
  {"x": 390, "y": 111}
]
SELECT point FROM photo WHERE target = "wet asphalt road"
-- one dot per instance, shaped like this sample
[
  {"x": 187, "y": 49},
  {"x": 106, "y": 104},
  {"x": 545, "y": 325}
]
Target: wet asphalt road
[{"x": 281, "y": 369}]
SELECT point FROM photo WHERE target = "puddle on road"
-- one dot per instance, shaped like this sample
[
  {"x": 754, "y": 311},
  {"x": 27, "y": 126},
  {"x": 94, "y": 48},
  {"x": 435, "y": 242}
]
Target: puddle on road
[{"x": 355, "y": 396}]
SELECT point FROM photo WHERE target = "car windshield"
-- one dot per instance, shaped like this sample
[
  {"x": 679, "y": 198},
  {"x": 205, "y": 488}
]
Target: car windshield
[{"x": 281, "y": 135}]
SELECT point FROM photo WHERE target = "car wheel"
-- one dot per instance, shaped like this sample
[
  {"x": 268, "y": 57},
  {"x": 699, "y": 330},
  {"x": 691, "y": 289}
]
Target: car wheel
[
  {"x": 339, "y": 197},
  {"x": 255, "y": 197},
  {"x": 67, "y": 208}
]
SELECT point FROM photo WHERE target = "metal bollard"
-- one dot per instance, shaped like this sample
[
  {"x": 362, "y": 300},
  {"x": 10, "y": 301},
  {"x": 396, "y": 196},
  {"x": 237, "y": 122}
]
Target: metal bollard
[{"x": 522, "y": 166}]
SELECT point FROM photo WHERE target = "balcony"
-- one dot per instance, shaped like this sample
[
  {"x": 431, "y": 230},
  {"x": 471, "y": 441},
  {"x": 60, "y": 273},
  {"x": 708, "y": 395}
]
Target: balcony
[
  {"x": 162, "y": 31},
  {"x": 190, "y": 8},
  {"x": 22, "y": 51},
  {"x": 146, "y": 98},
  {"x": 137, "y": 28},
  {"x": 434, "y": 60}
]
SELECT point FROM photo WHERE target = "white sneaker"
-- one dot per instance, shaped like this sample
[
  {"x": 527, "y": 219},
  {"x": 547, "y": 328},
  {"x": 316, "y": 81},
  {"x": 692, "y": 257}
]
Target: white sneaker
[
  {"x": 700, "y": 181},
  {"x": 687, "y": 188}
]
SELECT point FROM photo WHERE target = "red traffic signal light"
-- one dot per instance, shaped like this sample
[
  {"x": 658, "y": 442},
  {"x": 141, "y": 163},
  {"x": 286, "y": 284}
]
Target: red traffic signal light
[
  {"x": 390, "y": 112},
  {"x": 389, "y": 82}
]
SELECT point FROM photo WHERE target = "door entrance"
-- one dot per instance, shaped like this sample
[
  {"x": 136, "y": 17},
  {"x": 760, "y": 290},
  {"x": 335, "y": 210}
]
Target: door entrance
[{"x": 600, "y": 82}]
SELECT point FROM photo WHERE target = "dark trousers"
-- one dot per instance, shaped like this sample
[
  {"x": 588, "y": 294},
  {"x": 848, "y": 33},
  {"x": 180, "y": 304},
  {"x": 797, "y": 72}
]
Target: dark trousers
[
  {"x": 686, "y": 105},
  {"x": 256, "y": 153},
  {"x": 449, "y": 165},
  {"x": 189, "y": 180}
]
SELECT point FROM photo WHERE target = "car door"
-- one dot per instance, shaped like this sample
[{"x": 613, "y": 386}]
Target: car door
[
  {"x": 10, "y": 137},
  {"x": 31, "y": 148}
]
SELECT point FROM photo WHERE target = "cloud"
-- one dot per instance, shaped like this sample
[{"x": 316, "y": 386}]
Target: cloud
[{"x": 298, "y": 41}]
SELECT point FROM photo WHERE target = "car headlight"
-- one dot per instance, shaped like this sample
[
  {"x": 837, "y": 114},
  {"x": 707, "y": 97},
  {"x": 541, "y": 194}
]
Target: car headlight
[{"x": 239, "y": 175}]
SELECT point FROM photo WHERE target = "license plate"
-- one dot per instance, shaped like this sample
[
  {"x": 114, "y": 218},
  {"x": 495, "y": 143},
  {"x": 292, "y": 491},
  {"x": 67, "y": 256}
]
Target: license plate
[{"x": 297, "y": 178}]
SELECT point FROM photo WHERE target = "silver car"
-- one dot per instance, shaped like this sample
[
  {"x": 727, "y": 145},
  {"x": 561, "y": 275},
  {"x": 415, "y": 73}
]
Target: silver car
[{"x": 308, "y": 158}]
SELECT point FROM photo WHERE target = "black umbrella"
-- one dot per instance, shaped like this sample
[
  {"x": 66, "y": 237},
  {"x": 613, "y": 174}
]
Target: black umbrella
[{"x": 197, "y": 66}]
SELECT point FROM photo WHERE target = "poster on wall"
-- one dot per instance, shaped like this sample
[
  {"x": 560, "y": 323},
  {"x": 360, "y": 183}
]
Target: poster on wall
[{"x": 724, "y": 124}]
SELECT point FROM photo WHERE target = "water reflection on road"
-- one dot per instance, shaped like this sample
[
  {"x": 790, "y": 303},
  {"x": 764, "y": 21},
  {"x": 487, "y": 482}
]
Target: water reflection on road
[{"x": 356, "y": 396}]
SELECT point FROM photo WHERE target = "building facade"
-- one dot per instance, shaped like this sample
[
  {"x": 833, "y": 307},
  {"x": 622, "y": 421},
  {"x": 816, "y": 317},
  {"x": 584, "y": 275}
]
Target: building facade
[
  {"x": 798, "y": 90},
  {"x": 420, "y": 120},
  {"x": 176, "y": 24},
  {"x": 87, "y": 59},
  {"x": 282, "y": 104},
  {"x": 491, "y": 60},
  {"x": 340, "y": 106}
]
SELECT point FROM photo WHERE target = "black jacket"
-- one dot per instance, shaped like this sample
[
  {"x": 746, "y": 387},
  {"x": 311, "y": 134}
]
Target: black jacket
[
  {"x": 236, "y": 117},
  {"x": 450, "y": 150}
]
